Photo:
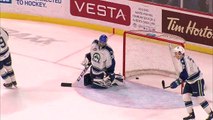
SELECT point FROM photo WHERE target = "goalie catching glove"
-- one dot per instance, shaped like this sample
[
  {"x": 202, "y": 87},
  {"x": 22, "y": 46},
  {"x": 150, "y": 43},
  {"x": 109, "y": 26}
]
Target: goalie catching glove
[
  {"x": 87, "y": 60},
  {"x": 110, "y": 76}
]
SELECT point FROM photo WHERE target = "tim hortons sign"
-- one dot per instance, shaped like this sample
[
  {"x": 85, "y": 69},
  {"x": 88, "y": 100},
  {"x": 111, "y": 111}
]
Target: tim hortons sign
[
  {"x": 101, "y": 10},
  {"x": 191, "y": 28}
]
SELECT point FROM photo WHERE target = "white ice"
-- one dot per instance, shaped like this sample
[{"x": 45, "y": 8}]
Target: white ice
[{"x": 44, "y": 55}]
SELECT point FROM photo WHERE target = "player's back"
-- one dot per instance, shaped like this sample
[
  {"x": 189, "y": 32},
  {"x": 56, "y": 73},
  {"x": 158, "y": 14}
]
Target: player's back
[{"x": 192, "y": 70}]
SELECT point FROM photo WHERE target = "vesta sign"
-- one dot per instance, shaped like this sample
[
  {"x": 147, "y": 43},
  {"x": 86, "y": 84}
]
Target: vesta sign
[{"x": 101, "y": 10}]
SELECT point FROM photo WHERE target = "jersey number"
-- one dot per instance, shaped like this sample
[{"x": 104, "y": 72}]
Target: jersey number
[
  {"x": 191, "y": 59},
  {"x": 2, "y": 42}
]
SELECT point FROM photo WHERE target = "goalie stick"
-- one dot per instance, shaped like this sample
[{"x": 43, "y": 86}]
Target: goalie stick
[
  {"x": 65, "y": 84},
  {"x": 163, "y": 85}
]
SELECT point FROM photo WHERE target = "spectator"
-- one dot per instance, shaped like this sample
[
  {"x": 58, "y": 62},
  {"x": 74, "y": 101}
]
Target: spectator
[
  {"x": 203, "y": 4},
  {"x": 174, "y": 3},
  {"x": 210, "y": 5},
  {"x": 192, "y": 4},
  {"x": 199, "y": 5},
  {"x": 160, "y": 1}
]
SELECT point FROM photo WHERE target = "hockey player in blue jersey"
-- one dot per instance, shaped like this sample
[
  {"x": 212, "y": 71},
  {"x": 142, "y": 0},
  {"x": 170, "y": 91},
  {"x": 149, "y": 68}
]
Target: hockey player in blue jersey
[
  {"x": 194, "y": 84},
  {"x": 101, "y": 59},
  {"x": 6, "y": 70}
]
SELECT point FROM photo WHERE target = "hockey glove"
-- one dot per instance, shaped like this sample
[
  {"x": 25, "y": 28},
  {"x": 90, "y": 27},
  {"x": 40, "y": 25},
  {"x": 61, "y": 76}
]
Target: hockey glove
[
  {"x": 175, "y": 84},
  {"x": 86, "y": 62},
  {"x": 111, "y": 76}
]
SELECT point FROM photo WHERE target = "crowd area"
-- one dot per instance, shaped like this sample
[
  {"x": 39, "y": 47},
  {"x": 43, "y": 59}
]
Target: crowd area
[{"x": 196, "y": 5}]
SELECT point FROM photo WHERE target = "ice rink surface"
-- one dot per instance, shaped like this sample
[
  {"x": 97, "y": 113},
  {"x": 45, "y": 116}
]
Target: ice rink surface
[{"x": 44, "y": 55}]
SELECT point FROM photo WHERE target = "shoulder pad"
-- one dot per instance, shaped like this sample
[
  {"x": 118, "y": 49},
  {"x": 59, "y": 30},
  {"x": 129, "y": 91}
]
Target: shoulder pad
[
  {"x": 95, "y": 41},
  {"x": 109, "y": 48}
]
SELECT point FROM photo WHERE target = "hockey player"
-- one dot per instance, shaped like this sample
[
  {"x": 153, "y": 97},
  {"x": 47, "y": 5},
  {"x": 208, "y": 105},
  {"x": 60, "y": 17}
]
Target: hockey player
[
  {"x": 194, "y": 84},
  {"x": 6, "y": 70},
  {"x": 101, "y": 59}
]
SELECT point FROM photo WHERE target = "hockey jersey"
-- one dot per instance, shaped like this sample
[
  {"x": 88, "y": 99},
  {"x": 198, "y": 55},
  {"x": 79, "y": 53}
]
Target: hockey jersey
[
  {"x": 190, "y": 71},
  {"x": 102, "y": 59},
  {"x": 4, "y": 49}
]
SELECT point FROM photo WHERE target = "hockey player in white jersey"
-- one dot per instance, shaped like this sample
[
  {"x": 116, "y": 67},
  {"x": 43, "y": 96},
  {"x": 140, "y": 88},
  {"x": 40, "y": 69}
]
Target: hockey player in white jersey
[
  {"x": 194, "y": 84},
  {"x": 101, "y": 59},
  {"x": 6, "y": 70}
]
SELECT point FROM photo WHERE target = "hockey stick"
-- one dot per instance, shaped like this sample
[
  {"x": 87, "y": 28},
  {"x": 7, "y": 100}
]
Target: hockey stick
[
  {"x": 65, "y": 84},
  {"x": 163, "y": 85}
]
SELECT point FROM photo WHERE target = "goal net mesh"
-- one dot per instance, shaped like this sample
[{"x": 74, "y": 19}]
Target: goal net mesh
[{"x": 150, "y": 53}]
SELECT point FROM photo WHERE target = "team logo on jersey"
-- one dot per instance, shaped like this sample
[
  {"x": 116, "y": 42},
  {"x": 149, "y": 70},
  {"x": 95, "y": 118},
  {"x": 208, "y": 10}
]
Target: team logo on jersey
[
  {"x": 94, "y": 49},
  {"x": 96, "y": 57}
]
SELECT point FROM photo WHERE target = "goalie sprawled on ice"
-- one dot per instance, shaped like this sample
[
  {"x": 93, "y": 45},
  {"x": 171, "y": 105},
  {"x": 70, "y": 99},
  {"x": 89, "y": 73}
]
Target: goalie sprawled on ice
[{"x": 101, "y": 59}]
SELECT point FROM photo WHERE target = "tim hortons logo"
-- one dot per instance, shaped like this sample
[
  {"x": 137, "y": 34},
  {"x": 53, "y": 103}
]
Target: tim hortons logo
[
  {"x": 194, "y": 29},
  {"x": 101, "y": 10},
  {"x": 191, "y": 28}
]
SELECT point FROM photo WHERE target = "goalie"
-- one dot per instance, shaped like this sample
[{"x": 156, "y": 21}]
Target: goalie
[{"x": 101, "y": 59}]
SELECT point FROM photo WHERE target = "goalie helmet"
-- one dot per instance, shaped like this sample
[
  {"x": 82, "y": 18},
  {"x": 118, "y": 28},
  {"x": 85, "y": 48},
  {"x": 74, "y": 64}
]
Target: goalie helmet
[
  {"x": 179, "y": 49},
  {"x": 103, "y": 40}
]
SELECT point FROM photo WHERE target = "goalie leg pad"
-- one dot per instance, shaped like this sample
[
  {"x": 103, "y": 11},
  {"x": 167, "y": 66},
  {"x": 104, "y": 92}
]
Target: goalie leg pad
[
  {"x": 98, "y": 81},
  {"x": 87, "y": 79},
  {"x": 118, "y": 80},
  {"x": 101, "y": 83},
  {"x": 119, "y": 77}
]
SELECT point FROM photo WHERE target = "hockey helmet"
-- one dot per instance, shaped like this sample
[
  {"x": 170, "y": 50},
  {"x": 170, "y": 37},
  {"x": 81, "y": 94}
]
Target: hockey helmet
[
  {"x": 103, "y": 39},
  {"x": 179, "y": 49}
]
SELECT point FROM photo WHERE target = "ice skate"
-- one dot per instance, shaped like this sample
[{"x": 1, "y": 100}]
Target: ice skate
[
  {"x": 8, "y": 85},
  {"x": 210, "y": 116},
  {"x": 190, "y": 117},
  {"x": 14, "y": 83}
]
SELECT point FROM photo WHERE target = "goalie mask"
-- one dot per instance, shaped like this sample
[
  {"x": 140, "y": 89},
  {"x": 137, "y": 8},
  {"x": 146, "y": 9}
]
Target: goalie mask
[{"x": 102, "y": 40}]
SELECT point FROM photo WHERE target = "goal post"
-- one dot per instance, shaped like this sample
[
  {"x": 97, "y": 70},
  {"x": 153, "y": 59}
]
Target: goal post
[{"x": 150, "y": 52}]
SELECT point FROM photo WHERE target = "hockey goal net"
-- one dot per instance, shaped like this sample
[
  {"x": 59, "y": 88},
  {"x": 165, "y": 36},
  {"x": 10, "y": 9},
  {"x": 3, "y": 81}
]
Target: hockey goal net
[{"x": 148, "y": 52}]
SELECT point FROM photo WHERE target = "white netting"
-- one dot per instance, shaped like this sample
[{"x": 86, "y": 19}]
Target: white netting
[
  {"x": 161, "y": 35},
  {"x": 149, "y": 55}
]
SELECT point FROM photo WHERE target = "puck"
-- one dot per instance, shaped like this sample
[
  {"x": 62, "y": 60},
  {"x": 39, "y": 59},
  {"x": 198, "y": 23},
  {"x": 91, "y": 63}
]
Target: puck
[{"x": 137, "y": 78}]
